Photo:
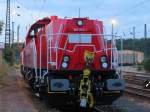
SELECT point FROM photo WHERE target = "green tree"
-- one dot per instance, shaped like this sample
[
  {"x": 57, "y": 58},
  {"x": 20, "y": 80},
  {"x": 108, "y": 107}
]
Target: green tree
[
  {"x": 146, "y": 64},
  {"x": 136, "y": 45},
  {"x": 1, "y": 27},
  {"x": 9, "y": 55}
]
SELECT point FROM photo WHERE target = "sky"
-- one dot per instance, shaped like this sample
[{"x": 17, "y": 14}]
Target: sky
[{"x": 127, "y": 13}]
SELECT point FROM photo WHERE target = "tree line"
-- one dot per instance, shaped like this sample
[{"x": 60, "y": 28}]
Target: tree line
[
  {"x": 142, "y": 45},
  {"x": 1, "y": 26}
]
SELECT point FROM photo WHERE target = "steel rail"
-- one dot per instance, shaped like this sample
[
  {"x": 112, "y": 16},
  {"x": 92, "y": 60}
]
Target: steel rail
[{"x": 138, "y": 74}]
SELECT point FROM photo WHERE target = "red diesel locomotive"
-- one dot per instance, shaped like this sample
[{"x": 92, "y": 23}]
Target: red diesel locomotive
[{"x": 69, "y": 59}]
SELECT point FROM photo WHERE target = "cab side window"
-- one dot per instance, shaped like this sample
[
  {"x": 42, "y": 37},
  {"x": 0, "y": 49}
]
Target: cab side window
[
  {"x": 35, "y": 30},
  {"x": 32, "y": 34}
]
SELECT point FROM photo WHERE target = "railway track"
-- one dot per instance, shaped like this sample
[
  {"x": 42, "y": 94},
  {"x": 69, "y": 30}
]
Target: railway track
[
  {"x": 135, "y": 84},
  {"x": 133, "y": 81},
  {"x": 135, "y": 77},
  {"x": 99, "y": 109},
  {"x": 106, "y": 108},
  {"x": 136, "y": 74},
  {"x": 137, "y": 90}
]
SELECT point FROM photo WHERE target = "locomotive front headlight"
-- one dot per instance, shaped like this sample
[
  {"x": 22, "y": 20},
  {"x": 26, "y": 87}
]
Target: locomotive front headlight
[
  {"x": 103, "y": 59},
  {"x": 104, "y": 65},
  {"x": 64, "y": 64},
  {"x": 66, "y": 58},
  {"x": 80, "y": 23}
]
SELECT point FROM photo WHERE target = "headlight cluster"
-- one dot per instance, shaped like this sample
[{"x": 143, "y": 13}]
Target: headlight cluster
[
  {"x": 65, "y": 62},
  {"x": 80, "y": 22},
  {"x": 103, "y": 61}
]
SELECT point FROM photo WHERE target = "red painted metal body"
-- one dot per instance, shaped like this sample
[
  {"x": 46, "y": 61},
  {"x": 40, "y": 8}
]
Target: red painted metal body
[
  {"x": 68, "y": 56},
  {"x": 59, "y": 30}
]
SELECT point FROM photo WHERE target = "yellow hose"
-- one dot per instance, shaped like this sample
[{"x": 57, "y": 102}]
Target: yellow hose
[{"x": 91, "y": 100}]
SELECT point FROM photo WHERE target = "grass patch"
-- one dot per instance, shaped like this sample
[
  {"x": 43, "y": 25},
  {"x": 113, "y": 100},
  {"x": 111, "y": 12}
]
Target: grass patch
[
  {"x": 3, "y": 70},
  {"x": 17, "y": 66}
]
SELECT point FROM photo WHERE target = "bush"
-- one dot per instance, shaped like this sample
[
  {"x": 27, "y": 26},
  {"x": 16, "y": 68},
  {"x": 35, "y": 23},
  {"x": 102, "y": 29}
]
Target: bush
[
  {"x": 9, "y": 55},
  {"x": 4, "y": 68},
  {"x": 146, "y": 64}
]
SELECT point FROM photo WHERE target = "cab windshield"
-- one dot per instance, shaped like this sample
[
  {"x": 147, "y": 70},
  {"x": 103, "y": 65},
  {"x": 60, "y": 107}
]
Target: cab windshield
[{"x": 80, "y": 38}]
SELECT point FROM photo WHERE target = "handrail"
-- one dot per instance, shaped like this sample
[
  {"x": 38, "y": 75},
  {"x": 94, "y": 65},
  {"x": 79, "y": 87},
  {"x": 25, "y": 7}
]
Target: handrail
[
  {"x": 57, "y": 40},
  {"x": 40, "y": 56},
  {"x": 95, "y": 51},
  {"x": 35, "y": 59},
  {"x": 106, "y": 35},
  {"x": 113, "y": 49},
  {"x": 49, "y": 43}
]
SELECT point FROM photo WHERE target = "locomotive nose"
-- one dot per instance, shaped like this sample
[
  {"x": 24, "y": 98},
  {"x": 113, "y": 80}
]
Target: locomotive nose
[
  {"x": 88, "y": 57},
  {"x": 83, "y": 55}
]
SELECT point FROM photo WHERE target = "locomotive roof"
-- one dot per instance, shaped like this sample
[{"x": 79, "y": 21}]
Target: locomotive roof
[{"x": 41, "y": 22}]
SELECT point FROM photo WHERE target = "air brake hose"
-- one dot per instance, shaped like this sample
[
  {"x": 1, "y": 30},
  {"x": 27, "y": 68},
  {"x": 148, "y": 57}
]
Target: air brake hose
[
  {"x": 91, "y": 98},
  {"x": 86, "y": 96},
  {"x": 85, "y": 89}
]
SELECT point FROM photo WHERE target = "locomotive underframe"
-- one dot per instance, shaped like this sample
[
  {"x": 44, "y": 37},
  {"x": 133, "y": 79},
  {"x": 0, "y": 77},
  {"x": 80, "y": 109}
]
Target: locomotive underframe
[{"x": 99, "y": 90}]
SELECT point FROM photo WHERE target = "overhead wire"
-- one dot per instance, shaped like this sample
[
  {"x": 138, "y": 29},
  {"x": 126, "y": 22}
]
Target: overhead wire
[
  {"x": 29, "y": 12},
  {"x": 139, "y": 5},
  {"x": 41, "y": 8},
  {"x": 132, "y": 8}
]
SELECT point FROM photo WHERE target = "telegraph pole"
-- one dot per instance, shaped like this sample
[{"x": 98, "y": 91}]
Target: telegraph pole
[
  {"x": 79, "y": 13},
  {"x": 7, "y": 29},
  {"x": 145, "y": 31},
  {"x": 18, "y": 33},
  {"x": 13, "y": 33},
  {"x": 112, "y": 32},
  {"x": 113, "y": 59},
  {"x": 134, "y": 55},
  {"x": 134, "y": 32},
  {"x": 17, "y": 52}
]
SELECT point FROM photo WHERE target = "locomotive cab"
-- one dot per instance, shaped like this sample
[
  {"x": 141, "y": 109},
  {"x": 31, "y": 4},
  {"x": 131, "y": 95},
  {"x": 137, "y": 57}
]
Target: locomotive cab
[{"x": 80, "y": 36}]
